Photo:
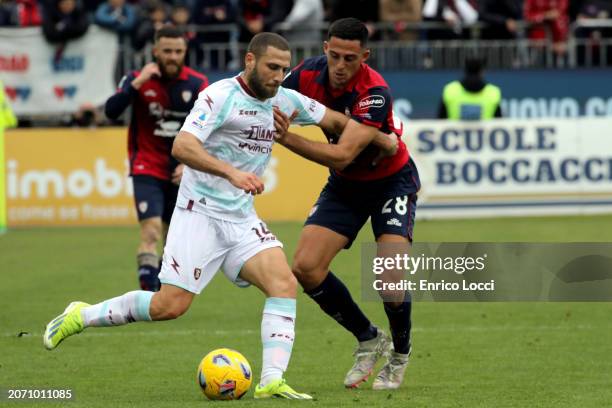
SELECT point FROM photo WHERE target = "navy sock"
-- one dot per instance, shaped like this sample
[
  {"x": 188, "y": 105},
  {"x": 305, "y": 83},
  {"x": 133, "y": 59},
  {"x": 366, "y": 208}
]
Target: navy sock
[
  {"x": 148, "y": 271},
  {"x": 335, "y": 300},
  {"x": 400, "y": 323}
]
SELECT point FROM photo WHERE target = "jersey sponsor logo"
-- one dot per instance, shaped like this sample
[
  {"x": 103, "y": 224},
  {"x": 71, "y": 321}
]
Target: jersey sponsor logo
[
  {"x": 372, "y": 101},
  {"x": 258, "y": 132},
  {"x": 246, "y": 112},
  {"x": 255, "y": 148},
  {"x": 186, "y": 95},
  {"x": 167, "y": 128},
  {"x": 394, "y": 221}
]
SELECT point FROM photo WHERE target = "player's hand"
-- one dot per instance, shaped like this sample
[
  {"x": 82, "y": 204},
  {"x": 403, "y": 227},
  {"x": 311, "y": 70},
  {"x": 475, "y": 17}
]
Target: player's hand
[
  {"x": 248, "y": 182},
  {"x": 147, "y": 72},
  {"x": 282, "y": 123},
  {"x": 177, "y": 174},
  {"x": 390, "y": 147}
]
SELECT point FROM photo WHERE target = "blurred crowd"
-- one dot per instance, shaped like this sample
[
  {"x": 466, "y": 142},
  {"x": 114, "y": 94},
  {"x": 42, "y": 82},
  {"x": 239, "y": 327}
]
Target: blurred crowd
[
  {"x": 225, "y": 22},
  {"x": 300, "y": 20}
]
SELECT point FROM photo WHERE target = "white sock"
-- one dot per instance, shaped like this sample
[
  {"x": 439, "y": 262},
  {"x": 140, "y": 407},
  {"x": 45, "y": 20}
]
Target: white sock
[
  {"x": 277, "y": 333},
  {"x": 128, "y": 308}
]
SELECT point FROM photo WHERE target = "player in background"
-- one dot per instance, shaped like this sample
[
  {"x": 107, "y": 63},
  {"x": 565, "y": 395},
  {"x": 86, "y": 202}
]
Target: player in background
[
  {"x": 225, "y": 144},
  {"x": 161, "y": 94},
  {"x": 382, "y": 189}
]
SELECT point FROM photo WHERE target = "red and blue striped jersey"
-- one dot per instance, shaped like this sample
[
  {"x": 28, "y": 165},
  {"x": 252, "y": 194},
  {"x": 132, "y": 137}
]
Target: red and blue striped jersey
[
  {"x": 366, "y": 99},
  {"x": 159, "y": 108}
]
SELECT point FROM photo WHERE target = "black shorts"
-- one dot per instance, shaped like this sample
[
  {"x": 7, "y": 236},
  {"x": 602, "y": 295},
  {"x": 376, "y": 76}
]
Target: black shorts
[
  {"x": 154, "y": 197},
  {"x": 345, "y": 205}
]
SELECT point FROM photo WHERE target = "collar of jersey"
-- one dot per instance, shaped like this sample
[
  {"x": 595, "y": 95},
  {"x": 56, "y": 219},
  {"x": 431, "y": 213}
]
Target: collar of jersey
[{"x": 248, "y": 90}]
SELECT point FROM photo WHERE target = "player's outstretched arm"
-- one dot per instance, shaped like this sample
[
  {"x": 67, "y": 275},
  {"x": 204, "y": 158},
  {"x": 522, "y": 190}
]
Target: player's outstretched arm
[
  {"x": 353, "y": 139},
  {"x": 188, "y": 150}
]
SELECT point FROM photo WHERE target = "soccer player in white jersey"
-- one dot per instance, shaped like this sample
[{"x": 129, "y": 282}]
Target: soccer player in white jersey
[{"x": 225, "y": 144}]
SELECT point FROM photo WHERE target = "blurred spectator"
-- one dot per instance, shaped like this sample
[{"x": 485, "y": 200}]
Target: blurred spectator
[
  {"x": 20, "y": 13},
  {"x": 154, "y": 16},
  {"x": 8, "y": 13},
  {"x": 457, "y": 14},
  {"x": 64, "y": 20},
  {"x": 303, "y": 22},
  {"x": 502, "y": 16},
  {"x": 255, "y": 16},
  {"x": 88, "y": 116},
  {"x": 91, "y": 6},
  {"x": 592, "y": 10},
  {"x": 400, "y": 12},
  {"x": 472, "y": 98},
  {"x": 548, "y": 17},
  {"x": 28, "y": 12},
  {"x": 590, "y": 49},
  {"x": 116, "y": 15},
  {"x": 364, "y": 10},
  {"x": 214, "y": 16},
  {"x": 180, "y": 17}
]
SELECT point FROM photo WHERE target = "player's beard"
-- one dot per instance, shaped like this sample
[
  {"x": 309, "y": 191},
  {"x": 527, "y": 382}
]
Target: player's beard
[
  {"x": 166, "y": 74},
  {"x": 257, "y": 86}
]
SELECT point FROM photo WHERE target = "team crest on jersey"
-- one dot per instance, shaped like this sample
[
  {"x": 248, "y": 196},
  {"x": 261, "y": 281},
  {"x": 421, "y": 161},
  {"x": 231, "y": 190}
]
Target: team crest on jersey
[
  {"x": 197, "y": 272},
  {"x": 186, "y": 95},
  {"x": 142, "y": 207}
]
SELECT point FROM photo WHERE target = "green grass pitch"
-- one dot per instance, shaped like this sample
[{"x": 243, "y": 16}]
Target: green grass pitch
[{"x": 465, "y": 354}]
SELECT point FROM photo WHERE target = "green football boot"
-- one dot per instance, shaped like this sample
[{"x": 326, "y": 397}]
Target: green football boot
[
  {"x": 279, "y": 389},
  {"x": 65, "y": 325}
]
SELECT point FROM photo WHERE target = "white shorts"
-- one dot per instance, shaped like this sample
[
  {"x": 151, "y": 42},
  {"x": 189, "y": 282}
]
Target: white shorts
[{"x": 198, "y": 246}]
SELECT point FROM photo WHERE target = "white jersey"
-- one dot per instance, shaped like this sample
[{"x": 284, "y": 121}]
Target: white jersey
[{"x": 237, "y": 128}]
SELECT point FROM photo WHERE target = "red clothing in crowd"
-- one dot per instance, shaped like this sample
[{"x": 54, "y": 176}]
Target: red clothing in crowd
[{"x": 535, "y": 12}]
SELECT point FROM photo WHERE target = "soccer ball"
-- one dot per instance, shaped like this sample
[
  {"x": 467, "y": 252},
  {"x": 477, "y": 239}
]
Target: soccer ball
[{"x": 224, "y": 374}]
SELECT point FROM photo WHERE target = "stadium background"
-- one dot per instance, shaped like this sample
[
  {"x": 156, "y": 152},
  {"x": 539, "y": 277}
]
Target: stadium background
[{"x": 65, "y": 167}]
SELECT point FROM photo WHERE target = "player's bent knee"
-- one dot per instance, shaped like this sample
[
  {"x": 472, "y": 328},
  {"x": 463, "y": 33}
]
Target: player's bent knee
[
  {"x": 308, "y": 273},
  {"x": 302, "y": 267}
]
